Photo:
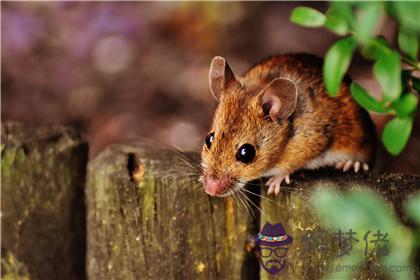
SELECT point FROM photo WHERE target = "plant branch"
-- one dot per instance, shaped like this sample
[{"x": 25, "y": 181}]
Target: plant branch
[{"x": 411, "y": 63}]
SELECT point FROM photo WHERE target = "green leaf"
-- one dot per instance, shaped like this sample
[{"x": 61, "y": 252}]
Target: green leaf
[
  {"x": 363, "y": 98},
  {"x": 337, "y": 61},
  {"x": 401, "y": 248},
  {"x": 412, "y": 208},
  {"x": 345, "y": 215},
  {"x": 408, "y": 43},
  {"x": 375, "y": 48},
  {"x": 375, "y": 210},
  {"x": 367, "y": 19},
  {"x": 405, "y": 105},
  {"x": 356, "y": 209},
  {"x": 346, "y": 11},
  {"x": 387, "y": 71},
  {"x": 406, "y": 13},
  {"x": 396, "y": 133},
  {"x": 336, "y": 21},
  {"x": 308, "y": 17},
  {"x": 362, "y": 211}
]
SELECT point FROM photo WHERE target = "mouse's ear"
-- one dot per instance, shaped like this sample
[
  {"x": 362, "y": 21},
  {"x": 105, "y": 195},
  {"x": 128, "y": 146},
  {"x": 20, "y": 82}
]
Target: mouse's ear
[
  {"x": 279, "y": 99},
  {"x": 220, "y": 76}
]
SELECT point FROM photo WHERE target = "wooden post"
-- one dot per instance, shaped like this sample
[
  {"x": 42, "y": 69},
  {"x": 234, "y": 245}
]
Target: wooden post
[
  {"x": 294, "y": 210},
  {"x": 148, "y": 218},
  {"x": 43, "y": 215}
]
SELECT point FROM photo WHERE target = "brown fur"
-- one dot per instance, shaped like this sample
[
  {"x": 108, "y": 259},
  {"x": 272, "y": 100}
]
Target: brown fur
[{"x": 319, "y": 123}]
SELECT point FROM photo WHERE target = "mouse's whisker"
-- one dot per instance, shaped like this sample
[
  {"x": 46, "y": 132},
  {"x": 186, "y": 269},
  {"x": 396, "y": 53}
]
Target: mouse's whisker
[
  {"x": 246, "y": 204},
  {"x": 190, "y": 165},
  {"x": 236, "y": 200},
  {"x": 190, "y": 161},
  {"x": 243, "y": 195},
  {"x": 286, "y": 188},
  {"x": 260, "y": 196},
  {"x": 239, "y": 204},
  {"x": 236, "y": 190},
  {"x": 254, "y": 204},
  {"x": 250, "y": 208}
]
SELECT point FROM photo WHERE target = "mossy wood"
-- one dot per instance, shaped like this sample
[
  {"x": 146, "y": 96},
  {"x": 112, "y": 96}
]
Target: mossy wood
[
  {"x": 43, "y": 218},
  {"x": 293, "y": 208},
  {"x": 148, "y": 218}
]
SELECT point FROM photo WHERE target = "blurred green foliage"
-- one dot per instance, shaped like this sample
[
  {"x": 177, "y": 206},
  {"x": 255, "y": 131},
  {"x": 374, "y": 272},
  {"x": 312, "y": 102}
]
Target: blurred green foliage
[
  {"x": 400, "y": 88},
  {"x": 412, "y": 208},
  {"x": 363, "y": 211}
]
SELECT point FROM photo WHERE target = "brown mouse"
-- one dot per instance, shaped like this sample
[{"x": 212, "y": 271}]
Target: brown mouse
[{"x": 278, "y": 118}]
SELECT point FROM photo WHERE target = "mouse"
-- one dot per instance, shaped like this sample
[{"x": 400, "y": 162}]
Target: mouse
[{"x": 278, "y": 118}]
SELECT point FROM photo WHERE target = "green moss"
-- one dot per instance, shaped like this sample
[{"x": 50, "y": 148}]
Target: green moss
[
  {"x": 147, "y": 188},
  {"x": 7, "y": 160},
  {"x": 41, "y": 179},
  {"x": 12, "y": 269},
  {"x": 20, "y": 155}
]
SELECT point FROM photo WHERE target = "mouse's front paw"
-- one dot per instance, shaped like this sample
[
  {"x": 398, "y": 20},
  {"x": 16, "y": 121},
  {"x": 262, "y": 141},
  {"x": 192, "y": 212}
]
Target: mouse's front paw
[
  {"x": 274, "y": 183},
  {"x": 346, "y": 165}
]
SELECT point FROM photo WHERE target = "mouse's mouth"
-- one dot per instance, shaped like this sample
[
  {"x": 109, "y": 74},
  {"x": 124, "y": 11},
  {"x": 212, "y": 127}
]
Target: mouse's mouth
[
  {"x": 221, "y": 187},
  {"x": 234, "y": 188}
]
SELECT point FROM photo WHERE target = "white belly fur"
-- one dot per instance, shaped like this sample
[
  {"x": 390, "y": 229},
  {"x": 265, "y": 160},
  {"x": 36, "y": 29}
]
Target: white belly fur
[
  {"x": 331, "y": 158},
  {"x": 326, "y": 159}
]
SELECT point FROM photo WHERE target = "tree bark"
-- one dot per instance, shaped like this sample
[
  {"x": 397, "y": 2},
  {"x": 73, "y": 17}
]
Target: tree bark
[{"x": 43, "y": 214}]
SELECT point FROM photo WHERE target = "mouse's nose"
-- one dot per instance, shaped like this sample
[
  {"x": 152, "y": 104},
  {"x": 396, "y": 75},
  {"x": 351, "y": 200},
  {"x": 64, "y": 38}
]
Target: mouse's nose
[{"x": 215, "y": 187}]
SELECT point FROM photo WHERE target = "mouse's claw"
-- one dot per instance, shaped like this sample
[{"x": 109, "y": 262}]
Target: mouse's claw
[
  {"x": 270, "y": 190},
  {"x": 365, "y": 166},
  {"x": 277, "y": 189},
  {"x": 347, "y": 165},
  {"x": 357, "y": 165},
  {"x": 340, "y": 165},
  {"x": 274, "y": 183}
]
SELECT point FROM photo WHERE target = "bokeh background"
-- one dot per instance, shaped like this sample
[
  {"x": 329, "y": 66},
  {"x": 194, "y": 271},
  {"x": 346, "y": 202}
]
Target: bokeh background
[{"x": 139, "y": 70}]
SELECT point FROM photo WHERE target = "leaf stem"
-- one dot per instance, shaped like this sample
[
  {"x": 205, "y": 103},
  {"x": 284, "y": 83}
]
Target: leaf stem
[{"x": 411, "y": 63}]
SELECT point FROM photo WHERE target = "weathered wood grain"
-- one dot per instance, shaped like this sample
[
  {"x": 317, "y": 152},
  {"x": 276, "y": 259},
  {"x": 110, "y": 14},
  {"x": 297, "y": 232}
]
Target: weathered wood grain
[
  {"x": 43, "y": 215},
  {"x": 148, "y": 218}
]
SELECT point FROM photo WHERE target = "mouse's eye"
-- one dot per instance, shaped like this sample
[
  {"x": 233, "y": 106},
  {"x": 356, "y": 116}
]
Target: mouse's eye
[
  {"x": 209, "y": 140},
  {"x": 246, "y": 153}
]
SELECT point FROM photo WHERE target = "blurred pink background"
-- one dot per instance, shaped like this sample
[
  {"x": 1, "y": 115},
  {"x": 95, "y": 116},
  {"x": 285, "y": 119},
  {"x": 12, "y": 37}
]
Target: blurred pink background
[{"x": 130, "y": 70}]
